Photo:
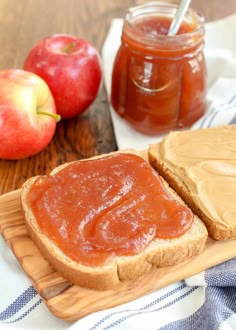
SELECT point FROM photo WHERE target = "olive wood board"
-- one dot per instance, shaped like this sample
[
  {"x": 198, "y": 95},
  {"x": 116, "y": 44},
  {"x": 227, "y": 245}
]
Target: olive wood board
[{"x": 71, "y": 302}]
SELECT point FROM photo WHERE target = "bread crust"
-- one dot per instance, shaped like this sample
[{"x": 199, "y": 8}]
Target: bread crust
[
  {"x": 159, "y": 253},
  {"x": 215, "y": 230}
]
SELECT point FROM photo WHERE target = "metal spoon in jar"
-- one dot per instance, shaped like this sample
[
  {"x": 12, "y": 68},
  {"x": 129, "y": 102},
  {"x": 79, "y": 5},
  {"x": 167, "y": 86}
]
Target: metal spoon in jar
[{"x": 181, "y": 11}]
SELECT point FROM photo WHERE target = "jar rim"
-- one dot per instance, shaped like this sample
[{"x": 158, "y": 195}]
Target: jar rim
[{"x": 163, "y": 8}]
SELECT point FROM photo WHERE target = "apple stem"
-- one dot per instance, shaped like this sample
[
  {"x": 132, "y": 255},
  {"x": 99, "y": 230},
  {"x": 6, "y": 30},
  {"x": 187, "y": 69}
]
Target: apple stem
[
  {"x": 50, "y": 114},
  {"x": 69, "y": 48}
]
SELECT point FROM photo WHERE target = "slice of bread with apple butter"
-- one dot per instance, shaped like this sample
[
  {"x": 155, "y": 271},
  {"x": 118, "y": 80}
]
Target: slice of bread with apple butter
[
  {"x": 108, "y": 219},
  {"x": 200, "y": 165}
]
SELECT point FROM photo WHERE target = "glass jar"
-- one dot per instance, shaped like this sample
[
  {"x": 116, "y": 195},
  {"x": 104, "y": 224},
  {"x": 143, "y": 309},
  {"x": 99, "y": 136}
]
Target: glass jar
[{"x": 159, "y": 81}]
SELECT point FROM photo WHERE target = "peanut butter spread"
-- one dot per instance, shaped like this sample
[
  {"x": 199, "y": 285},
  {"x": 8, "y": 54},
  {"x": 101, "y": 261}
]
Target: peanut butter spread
[{"x": 205, "y": 160}]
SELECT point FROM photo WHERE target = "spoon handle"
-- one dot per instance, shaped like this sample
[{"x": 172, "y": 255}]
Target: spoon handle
[{"x": 181, "y": 11}]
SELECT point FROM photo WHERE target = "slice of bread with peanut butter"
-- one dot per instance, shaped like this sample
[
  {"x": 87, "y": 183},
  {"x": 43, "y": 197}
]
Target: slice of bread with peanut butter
[
  {"x": 109, "y": 219},
  {"x": 200, "y": 165}
]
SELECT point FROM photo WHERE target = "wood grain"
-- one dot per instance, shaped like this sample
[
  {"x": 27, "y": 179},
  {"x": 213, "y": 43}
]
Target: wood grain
[
  {"x": 25, "y": 22},
  {"x": 70, "y": 302}
]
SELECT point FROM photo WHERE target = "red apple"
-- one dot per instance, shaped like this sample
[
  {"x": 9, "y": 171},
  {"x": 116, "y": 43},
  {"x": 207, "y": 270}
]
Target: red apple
[
  {"x": 27, "y": 114},
  {"x": 71, "y": 68}
]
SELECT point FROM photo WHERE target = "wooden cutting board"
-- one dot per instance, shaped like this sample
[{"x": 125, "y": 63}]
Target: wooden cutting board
[{"x": 70, "y": 302}]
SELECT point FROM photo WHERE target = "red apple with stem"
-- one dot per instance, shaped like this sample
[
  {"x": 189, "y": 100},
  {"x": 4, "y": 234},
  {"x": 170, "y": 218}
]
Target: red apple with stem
[
  {"x": 71, "y": 67},
  {"x": 27, "y": 114}
]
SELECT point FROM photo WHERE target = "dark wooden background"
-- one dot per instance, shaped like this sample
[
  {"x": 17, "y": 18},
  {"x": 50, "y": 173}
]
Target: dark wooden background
[{"x": 22, "y": 24}]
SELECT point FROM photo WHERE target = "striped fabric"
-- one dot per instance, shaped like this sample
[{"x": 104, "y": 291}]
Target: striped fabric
[
  {"x": 10, "y": 313},
  {"x": 204, "y": 301},
  {"x": 220, "y": 110},
  {"x": 209, "y": 306}
]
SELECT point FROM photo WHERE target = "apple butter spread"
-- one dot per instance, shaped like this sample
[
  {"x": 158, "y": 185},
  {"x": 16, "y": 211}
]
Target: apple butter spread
[
  {"x": 111, "y": 206},
  {"x": 205, "y": 160},
  {"x": 159, "y": 81}
]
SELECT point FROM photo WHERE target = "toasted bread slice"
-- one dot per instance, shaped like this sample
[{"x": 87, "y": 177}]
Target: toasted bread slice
[
  {"x": 200, "y": 165},
  {"x": 159, "y": 253}
]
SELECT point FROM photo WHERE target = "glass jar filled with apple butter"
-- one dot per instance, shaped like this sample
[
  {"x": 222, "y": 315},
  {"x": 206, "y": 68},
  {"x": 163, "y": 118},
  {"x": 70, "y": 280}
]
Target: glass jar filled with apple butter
[{"x": 159, "y": 81}]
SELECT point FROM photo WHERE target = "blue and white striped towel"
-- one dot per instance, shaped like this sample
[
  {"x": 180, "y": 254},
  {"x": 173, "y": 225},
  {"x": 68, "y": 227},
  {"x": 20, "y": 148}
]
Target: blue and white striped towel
[{"x": 206, "y": 301}]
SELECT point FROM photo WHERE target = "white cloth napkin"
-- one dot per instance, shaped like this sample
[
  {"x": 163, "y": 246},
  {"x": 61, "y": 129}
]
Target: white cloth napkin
[
  {"x": 204, "y": 301},
  {"x": 220, "y": 52}
]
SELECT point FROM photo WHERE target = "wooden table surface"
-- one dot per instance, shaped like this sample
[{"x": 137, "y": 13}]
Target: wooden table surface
[{"x": 25, "y": 22}]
